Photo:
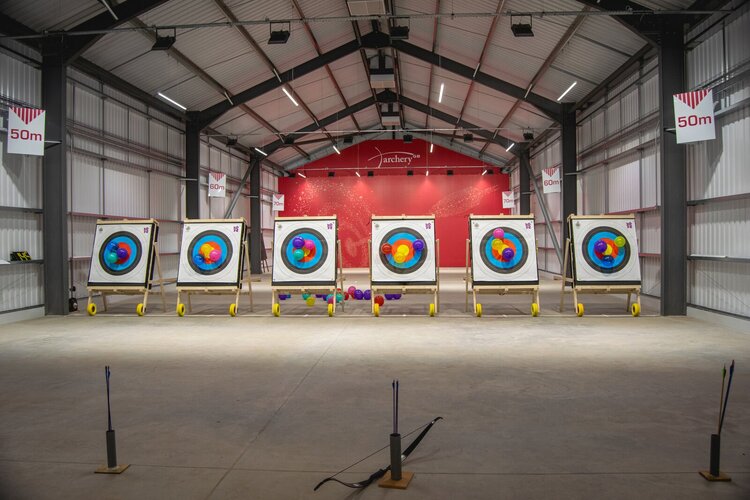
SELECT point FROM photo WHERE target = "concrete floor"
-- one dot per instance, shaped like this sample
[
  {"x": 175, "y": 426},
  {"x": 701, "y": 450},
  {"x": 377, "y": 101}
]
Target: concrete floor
[{"x": 209, "y": 406}]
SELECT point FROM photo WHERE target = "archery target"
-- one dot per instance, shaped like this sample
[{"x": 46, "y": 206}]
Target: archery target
[
  {"x": 211, "y": 253},
  {"x": 510, "y": 259},
  {"x": 304, "y": 251},
  {"x": 605, "y": 251},
  {"x": 403, "y": 251},
  {"x": 123, "y": 254}
]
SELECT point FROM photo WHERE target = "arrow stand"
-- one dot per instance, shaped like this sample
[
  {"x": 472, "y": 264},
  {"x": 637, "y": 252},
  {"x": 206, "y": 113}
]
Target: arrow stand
[
  {"x": 395, "y": 477},
  {"x": 111, "y": 467}
]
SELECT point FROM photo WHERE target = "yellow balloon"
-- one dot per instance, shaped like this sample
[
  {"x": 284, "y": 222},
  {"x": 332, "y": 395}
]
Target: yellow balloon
[
  {"x": 206, "y": 248},
  {"x": 310, "y": 301},
  {"x": 399, "y": 257},
  {"x": 497, "y": 244},
  {"x": 402, "y": 249},
  {"x": 306, "y": 251},
  {"x": 608, "y": 251}
]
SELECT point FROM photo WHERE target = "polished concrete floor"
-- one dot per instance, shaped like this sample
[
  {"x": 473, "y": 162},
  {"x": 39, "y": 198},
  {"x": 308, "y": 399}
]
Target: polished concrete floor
[{"x": 208, "y": 406}]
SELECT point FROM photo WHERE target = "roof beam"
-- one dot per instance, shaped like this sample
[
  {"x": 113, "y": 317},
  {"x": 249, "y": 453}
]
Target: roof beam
[
  {"x": 366, "y": 64},
  {"x": 547, "y": 106},
  {"x": 432, "y": 68}
]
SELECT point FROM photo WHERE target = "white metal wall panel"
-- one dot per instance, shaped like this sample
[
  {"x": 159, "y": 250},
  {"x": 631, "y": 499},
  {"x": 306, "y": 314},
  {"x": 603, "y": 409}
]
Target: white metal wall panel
[
  {"x": 21, "y": 286},
  {"x": 719, "y": 229},
  {"x": 138, "y": 124},
  {"x": 115, "y": 119},
  {"x": 722, "y": 286},
  {"x": 651, "y": 180},
  {"x": 650, "y": 91},
  {"x": 649, "y": 227},
  {"x": 88, "y": 107},
  {"x": 20, "y": 231},
  {"x": 594, "y": 192},
  {"x": 85, "y": 177},
  {"x": 20, "y": 179},
  {"x": 624, "y": 184},
  {"x": 126, "y": 192},
  {"x": 165, "y": 197},
  {"x": 651, "y": 276},
  {"x": 738, "y": 39},
  {"x": 19, "y": 82}
]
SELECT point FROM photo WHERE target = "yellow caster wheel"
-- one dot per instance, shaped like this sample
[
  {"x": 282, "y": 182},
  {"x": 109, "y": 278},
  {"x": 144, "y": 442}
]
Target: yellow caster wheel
[
  {"x": 276, "y": 310},
  {"x": 180, "y": 310},
  {"x": 140, "y": 309},
  {"x": 330, "y": 310},
  {"x": 432, "y": 310},
  {"x": 579, "y": 309},
  {"x": 635, "y": 310},
  {"x": 535, "y": 309},
  {"x": 91, "y": 309},
  {"x": 478, "y": 310},
  {"x": 376, "y": 310},
  {"x": 233, "y": 310}
]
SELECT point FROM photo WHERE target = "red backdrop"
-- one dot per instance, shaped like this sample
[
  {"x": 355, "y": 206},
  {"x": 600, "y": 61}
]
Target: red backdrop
[{"x": 354, "y": 199}]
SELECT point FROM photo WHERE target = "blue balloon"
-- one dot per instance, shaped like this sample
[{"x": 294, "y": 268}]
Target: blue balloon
[
  {"x": 608, "y": 259},
  {"x": 418, "y": 245},
  {"x": 600, "y": 246},
  {"x": 122, "y": 253},
  {"x": 112, "y": 247},
  {"x": 198, "y": 258}
]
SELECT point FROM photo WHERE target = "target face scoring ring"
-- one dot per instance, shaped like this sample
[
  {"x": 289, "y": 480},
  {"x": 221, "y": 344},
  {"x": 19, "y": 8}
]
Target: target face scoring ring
[
  {"x": 400, "y": 239},
  {"x": 314, "y": 251},
  {"x": 493, "y": 257},
  {"x": 120, "y": 253},
  {"x": 209, "y": 252},
  {"x": 601, "y": 251}
]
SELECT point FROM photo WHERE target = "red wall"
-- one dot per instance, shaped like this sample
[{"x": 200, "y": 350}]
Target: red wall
[{"x": 354, "y": 199}]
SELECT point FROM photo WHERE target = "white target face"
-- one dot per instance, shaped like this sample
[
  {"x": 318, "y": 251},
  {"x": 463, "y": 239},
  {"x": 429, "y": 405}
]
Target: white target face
[
  {"x": 403, "y": 251},
  {"x": 503, "y": 251},
  {"x": 304, "y": 252},
  {"x": 605, "y": 251},
  {"x": 123, "y": 254},
  {"x": 212, "y": 253}
]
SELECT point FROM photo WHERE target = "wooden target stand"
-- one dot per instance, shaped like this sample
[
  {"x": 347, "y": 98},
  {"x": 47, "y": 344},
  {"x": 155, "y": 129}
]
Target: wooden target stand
[
  {"x": 613, "y": 289},
  {"x": 220, "y": 289},
  {"x": 312, "y": 289},
  {"x": 404, "y": 289},
  {"x": 140, "y": 309}
]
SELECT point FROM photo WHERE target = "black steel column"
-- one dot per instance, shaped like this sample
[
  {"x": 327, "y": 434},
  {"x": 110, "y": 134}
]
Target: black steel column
[
  {"x": 524, "y": 183},
  {"x": 192, "y": 168},
  {"x": 55, "y": 180},
  {"x": 569, "y": 191},
  {"x": 256, "y": 234},
  {"x": 673, "y": 176}
]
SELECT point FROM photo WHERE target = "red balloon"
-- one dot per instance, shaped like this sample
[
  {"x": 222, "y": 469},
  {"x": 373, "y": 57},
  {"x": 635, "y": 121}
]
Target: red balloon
[
  {"x": 379, "y": 300},
  {"x": 346, "y": 295},
  {"x": 386, "y": 248}
]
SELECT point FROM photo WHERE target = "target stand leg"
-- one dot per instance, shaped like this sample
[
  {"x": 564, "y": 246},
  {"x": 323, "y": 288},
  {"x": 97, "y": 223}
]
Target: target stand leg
[
  {"x": 104, "y": 301},
  {"x": 111, "y": 467}
]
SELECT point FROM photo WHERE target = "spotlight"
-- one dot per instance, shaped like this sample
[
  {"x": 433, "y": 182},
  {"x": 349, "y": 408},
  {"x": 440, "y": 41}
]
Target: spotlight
[
  {"x": 468, "y": 138},
  {"x": 449, "y": 172},
  {"x": 331, "y": 174},
  {"x": 399, "y": 33},
  {"x": 408, "y": 138},
  {"x": 231, "y": 141},
  {"x": 521, "y": 29},
  {"x": 410, "y": 172},
  {"x": 279, "y": 36},
  {"x": 528, "y": 136},
  {"x": 349, "y": 139},
  {"x": 370, "y": 173},
  {"x": 164, "y": 42}
]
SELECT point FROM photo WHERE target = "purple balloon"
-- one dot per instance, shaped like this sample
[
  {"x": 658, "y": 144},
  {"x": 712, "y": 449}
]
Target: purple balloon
[
  {"x": 298, "y": 242},
  {"x": 358, "y": 294},
  {"x": 418, "y": 245},
  {"x": 367, "y": 295},
  {"x": 388, "y": 296},
  {"x": 396, "y": 296},
  {"x": 122, "y": 253},
  {"x": 600, "y": 246},
  {"x": 508, "y": 253}
]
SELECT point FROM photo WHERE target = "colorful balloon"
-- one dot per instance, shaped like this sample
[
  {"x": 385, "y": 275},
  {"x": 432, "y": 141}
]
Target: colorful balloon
[
  {"x": 379, "y": 300},
  {"x": 418, "y": 245},
  {"x": 310, "y": 301},
  {"x": 396, "y": 296},
  {"x": 198, "y": 259},
  {"x": 111, "y": 257},
  {"x": 309, "y": 244},
  {"x": 388, "y": 296},
  {"x": 298, "y": 242},
  {"x": 386, "y": 248},
  {"x": 112, "y": 247},
  {"x": 608, "y": 251},
  {"x": 497, "y": 245},
  {"x": 620, "y": 241},
  {"x": 403, "y": 250},
  {"x": 367, "y": 295},
  {"x": 600, "y": 246},
  {"x": 215, "y": 255},
  {"x": 351, "y": 290},
  {"x": 346, "y": 295},
  {"x": 305, "y": 296},
  {"x": 330, "y": 299},
  {"x": 608, "y": 259},
  {"x": 399, "y": 258},
  {"x": 498, "y": 233},
  {"x": 508, "y": 253},
  {"x": 282, "y": 296},
  {"x": 358, "y": 294},
  {"x": 339, "y": 298},
  {"x": 299, "y": 254},
  {"x": 206, "y": 248}
]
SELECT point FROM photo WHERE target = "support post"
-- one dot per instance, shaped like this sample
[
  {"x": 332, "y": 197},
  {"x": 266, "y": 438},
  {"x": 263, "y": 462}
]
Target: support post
[
  {"x": 524, "y": 183},
  {"x": 673, "y": 176},
  {"x": 256, "y": 234},
  {"x": 569, "y": 192},
  {"x": 192, "y": 167},
  {"x": 55, "y": 179}
]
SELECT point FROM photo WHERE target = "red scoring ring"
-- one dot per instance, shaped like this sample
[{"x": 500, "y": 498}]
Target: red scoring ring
[
  {"x": 310, "y": 256},
  {"x": 125, "y": 246}
]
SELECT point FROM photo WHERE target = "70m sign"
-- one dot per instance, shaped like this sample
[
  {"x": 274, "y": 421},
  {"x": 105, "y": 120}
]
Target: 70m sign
[
  {"x": 694, "y": 116},
  {"x": 26, "y": 131}
]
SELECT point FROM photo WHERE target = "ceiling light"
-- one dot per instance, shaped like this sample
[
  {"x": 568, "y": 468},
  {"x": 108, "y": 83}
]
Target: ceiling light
[
  {"x": 528, "y": 136},
  {"x": 468, "y": 137},
  {"x": 279, "y": 36},
  {"x": 511, "y": 146},
  {"x": 408, "y": 138},
  {"x": 399, "y": 32},
  {"x": 426, "y": 173},
  {"x": 289, "y": 96},
  {"x": 172, "y": 101},
  {"x": 440, "y": 95},
  {"x": 261, "y": 151},
  {"x": 302, "y": 175},
  {"x": 231, "y": 141},
  {"x": 431, "y": 147},
  {"x": 566, "y": 91},
  {"x": 336, "y": 149},
  {"x": 331, "y": 174},
  {"x": 484, "y": 171},
  {"x": 164, "y": 42},
  {"x": 357, "y": 172},
  {"x": 521, "y": 29}
]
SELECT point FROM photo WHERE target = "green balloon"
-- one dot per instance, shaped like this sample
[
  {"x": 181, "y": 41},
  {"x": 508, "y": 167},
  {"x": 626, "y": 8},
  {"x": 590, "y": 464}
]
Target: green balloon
[
  {"x": 111, "y": 257},
  {"x": 298, "y": 254}
]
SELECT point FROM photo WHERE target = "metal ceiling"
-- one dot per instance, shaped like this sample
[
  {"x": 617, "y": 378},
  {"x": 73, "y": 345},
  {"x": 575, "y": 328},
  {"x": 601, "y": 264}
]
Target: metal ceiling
[{"x": 207, "y": 66}]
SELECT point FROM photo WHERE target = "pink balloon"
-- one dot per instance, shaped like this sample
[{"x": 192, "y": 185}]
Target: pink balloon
[
  {"x": 215, "y": 255},
  {"x": 498, "y": 233},
  {"x": 309, "y": 244}
]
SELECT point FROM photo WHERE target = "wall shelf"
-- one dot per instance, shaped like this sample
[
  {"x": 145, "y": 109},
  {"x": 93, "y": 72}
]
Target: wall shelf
[
  {"x": 21, "y": 209},
  {"x": 22, "y": 262}
]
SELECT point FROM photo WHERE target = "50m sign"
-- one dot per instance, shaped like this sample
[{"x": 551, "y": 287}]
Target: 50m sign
[
  {"x": 26, "y": 131},
  {"x": 694, "y": 116}
]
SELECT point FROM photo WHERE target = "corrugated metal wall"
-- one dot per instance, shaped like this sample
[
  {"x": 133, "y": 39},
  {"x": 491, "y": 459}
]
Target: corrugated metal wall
[
  {"x": 21, "y": 284},
  {"x": 718, "y": 174}
]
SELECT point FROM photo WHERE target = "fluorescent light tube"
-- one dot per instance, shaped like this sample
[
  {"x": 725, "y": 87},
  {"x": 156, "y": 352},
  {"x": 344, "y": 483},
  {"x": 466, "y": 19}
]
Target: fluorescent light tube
[
  {"x": 302, "y": 175},
  {"x": 289, "y": 96},
  {"x": 261, "y": 151},
  {"x": 440, "y": 95},
  {"x": 336, "y": 149},
  {"x": 172, "y": 101},
  {"x": 511, "y": 146},
  {"x": 431, "y": 146},
  {"x": 568, "y": 90}
]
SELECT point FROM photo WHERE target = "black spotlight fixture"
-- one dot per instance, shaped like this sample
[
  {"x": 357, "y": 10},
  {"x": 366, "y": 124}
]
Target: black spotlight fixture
[
  {"x": 410, "y": 172},
  {"x": 164, "y": 42},
  {"x": 399, "y": 32},
  {"x": 468, "y": 138},
  {"x": 348, "y": 139},
  {"x": 408, "y": 138},
  {"x": 521, "y": 29},
  {"x": 278, "y": 36},
  {"x": 331, "y": 174},
  {"x": 370, "y": 173},
  {"x": 528, "y": 136},
  {"x": 231, "y": 141},
  {"x": 449, "y": 172}
]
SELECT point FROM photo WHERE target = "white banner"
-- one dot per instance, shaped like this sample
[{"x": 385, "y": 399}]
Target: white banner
[
  {"x": 509, "y": 200},
  {"x": 217, "y": 185},
  {"x": 26, "y": 131},
  {"x": 551, "y": 180},
  {"x": 694, "y": 116},
  {"x": 277, "y": 202}
]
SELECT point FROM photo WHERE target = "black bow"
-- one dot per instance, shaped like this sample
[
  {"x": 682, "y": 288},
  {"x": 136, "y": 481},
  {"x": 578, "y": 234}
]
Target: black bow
[{"x": 381, "y": 472}]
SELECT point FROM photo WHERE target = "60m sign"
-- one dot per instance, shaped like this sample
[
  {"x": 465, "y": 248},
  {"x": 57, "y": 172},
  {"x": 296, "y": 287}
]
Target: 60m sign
[
  {"x": 694, "y": 116},
  {"x": 26, "y": 131}
]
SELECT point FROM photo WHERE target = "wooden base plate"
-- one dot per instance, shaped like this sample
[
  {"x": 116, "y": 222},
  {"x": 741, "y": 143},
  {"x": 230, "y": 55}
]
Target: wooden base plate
[
  {"x": 114, "y": 470},
  {"x": 387, "y": 482},
  {"x": 710, "y": 477}
]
